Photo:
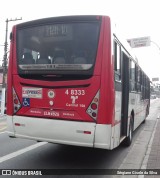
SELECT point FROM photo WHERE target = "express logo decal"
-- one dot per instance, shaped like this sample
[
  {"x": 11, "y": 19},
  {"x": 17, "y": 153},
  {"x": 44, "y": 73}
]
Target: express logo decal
[{"x": 31, "y": 92}]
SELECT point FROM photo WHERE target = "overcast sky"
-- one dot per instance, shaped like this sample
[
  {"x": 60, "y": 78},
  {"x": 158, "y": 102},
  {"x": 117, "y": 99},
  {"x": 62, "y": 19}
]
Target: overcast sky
[{"x": 134, "y": 18}]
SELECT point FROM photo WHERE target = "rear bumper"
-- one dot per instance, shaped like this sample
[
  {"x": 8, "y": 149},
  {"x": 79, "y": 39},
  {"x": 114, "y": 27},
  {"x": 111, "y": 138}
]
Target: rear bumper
[{"x": 60, "y": 131}]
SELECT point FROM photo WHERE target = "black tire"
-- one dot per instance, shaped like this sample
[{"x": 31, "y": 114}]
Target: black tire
[
  {"x": 143, "y": 122},
  {"x": 128, "y": 139},
  {"x": 147, "y": 113}
]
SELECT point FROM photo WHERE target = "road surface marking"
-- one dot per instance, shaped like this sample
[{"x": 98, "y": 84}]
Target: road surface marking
[
  {"x": 2, "y": 129},
  {"x": 20, "y": 152},
  {"x": 2, "y": 132}
]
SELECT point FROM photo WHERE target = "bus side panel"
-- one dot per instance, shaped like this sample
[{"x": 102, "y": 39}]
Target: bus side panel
[
  {"x": 106, "y": 107},
  {"x": 9, "y": 74},
  {"x": 134, "y": 104},
  {"x": 110, "y": 138},
  {"x": 115, "y": 137},
  {"x": 103, "y": 136}
]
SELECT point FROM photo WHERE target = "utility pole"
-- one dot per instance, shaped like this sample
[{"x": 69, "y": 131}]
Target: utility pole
[{"x": 5, "y": 65}]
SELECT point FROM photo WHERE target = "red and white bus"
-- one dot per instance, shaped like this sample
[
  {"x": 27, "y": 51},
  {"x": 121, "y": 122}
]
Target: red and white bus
[{"x": 72, "y": 81}]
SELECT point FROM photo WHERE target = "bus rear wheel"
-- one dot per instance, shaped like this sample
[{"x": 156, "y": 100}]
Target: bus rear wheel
[
  {"x": 147, "y": 113},
  {"x": 128, "y": 139}
]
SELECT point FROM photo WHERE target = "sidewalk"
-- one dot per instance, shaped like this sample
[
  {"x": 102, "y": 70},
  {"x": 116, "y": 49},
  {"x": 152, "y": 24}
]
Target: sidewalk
[
  {"x": 145, "y": 153},
  {"x": 153, "y": 152}
]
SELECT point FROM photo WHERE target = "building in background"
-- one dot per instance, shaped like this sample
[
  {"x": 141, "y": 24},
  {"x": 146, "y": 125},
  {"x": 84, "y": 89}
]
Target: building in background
[
  {"x": 1, "y": 80},
  {"x": 155, "y": 88}
]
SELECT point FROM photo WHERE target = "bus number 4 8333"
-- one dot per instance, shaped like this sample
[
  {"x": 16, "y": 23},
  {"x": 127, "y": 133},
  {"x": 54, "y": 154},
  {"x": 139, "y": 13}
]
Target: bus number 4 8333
[{"x": 75, "y": 92}]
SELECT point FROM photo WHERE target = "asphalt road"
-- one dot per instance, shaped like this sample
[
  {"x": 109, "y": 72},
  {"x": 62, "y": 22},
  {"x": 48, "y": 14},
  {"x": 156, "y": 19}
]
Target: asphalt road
[{"x": 18, "y": 153}]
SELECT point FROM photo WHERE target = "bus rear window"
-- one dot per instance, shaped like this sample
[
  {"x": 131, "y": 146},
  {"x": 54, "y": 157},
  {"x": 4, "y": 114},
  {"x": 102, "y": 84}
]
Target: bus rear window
[{"x": 58, "y": 48}]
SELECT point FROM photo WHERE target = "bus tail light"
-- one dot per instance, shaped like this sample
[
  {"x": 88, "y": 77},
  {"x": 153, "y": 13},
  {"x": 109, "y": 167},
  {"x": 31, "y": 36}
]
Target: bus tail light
[
  {"x": 16, "y": 102},
  {"x": 93, "y": 107}
]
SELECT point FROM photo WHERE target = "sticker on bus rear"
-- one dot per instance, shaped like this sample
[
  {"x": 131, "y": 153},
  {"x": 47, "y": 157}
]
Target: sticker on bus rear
[
  {"x": 26, "y": 102},
  {"x": 31, "y": 92}
]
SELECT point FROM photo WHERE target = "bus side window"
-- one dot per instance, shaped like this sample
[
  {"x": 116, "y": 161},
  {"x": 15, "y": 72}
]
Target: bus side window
[
  {"x": 143, "y": 85},
  {"x": 138, "y": 79},
  {"x": 132, "y": 76},
  {"x": 117, "y": 61},
  {"x": 28, "y": 58}
]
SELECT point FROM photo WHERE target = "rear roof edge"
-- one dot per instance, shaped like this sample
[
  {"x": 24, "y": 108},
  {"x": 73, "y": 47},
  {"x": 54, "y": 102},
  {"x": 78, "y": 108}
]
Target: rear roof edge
[{"x": 61, "y": 19}]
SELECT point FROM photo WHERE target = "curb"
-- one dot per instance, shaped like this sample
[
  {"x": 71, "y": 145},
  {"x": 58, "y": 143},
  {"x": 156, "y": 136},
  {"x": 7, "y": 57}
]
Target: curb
[{"x": 148, "y": 150}]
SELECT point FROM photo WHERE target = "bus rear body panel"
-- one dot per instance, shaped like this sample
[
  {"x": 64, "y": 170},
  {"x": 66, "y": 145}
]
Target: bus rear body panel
[
  {"x": 69, "y": 102},
  {"x": 62, "y": 101},
  {"x": 60, "y": 131},
  {"x": 64, "y": 85}
]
